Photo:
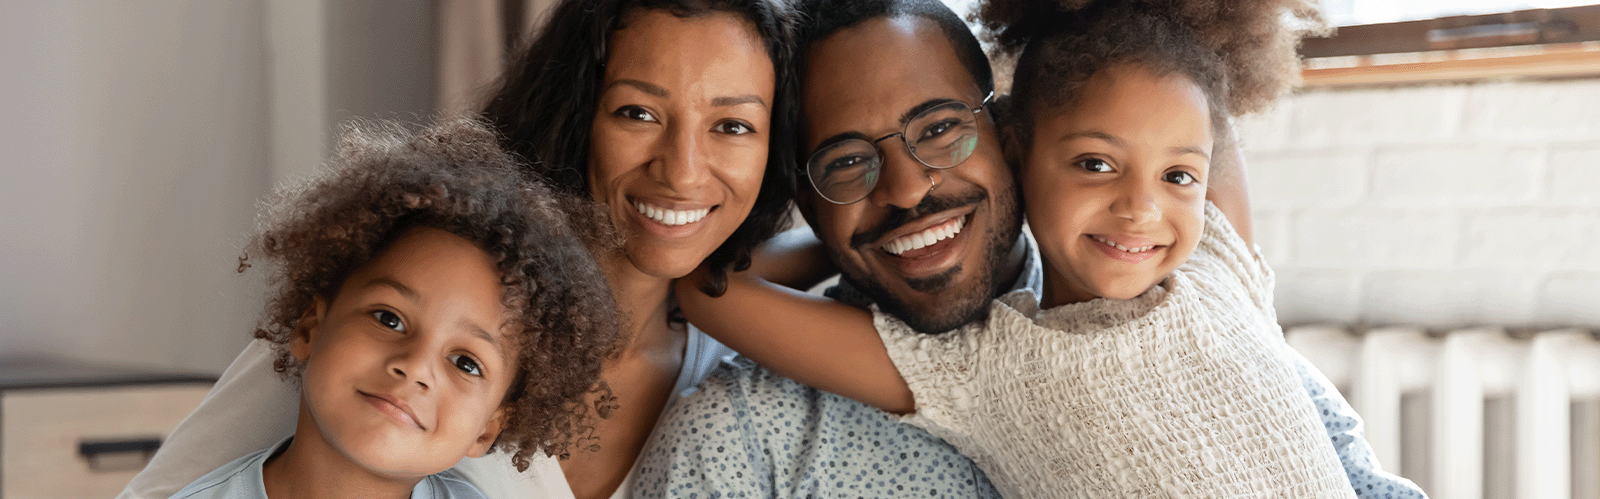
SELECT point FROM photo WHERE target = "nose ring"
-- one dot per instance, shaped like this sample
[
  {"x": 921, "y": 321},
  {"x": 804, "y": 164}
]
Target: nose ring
[{"x": 931, "y": 183}]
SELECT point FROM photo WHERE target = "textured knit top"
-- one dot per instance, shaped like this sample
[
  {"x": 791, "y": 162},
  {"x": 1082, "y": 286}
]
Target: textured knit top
[{"x": 1184, "y": 391}]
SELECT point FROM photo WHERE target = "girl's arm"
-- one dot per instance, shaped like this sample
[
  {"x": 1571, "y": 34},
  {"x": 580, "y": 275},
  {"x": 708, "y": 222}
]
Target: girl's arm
[
  {"x": 1227, "y": 187},
  {"x": 794, "y": 258},
  {"x": 820, "y": 342}
]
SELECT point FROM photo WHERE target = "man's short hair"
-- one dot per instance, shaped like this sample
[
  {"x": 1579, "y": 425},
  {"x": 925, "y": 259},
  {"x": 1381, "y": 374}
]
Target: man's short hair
[{"x": 821, "y": 18}]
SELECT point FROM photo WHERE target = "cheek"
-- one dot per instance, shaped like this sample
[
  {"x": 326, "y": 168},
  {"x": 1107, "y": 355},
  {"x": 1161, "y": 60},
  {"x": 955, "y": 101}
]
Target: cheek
[{"x": 742, "y": 170}]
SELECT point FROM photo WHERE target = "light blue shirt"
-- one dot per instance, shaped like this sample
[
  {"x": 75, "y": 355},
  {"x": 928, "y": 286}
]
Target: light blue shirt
[{"x": 241, "y": 479}]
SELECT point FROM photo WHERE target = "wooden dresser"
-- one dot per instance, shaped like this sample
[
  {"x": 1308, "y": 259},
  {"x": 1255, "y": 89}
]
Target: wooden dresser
[{"x": 72, "y": 430}]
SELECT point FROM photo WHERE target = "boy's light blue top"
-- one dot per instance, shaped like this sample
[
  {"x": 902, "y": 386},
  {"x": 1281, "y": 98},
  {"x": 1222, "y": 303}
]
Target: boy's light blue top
[{"x": 241, "y": 479}]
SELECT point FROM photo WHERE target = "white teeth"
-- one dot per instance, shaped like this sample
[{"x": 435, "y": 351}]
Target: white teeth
[
  {"x": 925, "y": 238},
  {"x": 1108, "y": 242},
  {"x": 671, "y": 217}
]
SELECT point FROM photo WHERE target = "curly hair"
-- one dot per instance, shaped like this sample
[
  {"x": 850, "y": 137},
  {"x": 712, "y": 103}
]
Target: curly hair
[
  {"x": 544, "y": 105},
  {"x": 388, "y": 179},
  {"x": 1241, "y": 53}
]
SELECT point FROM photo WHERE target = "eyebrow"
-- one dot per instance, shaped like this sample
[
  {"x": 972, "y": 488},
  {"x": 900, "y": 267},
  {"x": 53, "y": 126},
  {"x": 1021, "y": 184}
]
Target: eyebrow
[
  {"x": 1181, "y": 150},
  {"x": 407, "y": 292},
  {"x": 1093, "y": 134},
  {"x": 904, "y": 119},
  {"x": 924, "y": 106},
  {"x": 658, "y": 91},
  {"x": 738, "y": 99},
  {"x": 478, "y": 332},
  {"x": 642, "y": 86}
]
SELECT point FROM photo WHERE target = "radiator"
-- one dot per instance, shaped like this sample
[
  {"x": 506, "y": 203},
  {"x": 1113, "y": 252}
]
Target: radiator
[{"x": 1473, "y": 413}]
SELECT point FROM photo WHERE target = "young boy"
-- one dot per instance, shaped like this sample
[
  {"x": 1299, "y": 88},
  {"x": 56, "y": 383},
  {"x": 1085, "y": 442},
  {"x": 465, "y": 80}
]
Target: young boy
[{"x": 435, "y": 305}]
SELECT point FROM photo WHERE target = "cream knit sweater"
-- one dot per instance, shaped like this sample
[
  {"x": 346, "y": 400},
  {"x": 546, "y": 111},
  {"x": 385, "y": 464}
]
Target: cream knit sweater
[{"x": 1183, "y": 391}]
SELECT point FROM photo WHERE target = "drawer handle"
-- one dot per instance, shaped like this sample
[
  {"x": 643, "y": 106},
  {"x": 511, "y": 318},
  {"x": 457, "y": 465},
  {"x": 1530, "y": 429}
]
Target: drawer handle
[{"x": 119, "y": 455}]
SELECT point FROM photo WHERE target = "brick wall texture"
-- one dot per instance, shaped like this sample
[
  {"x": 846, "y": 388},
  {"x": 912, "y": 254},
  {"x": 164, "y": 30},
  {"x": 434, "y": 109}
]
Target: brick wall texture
[{"x": 1438, "y": 205}]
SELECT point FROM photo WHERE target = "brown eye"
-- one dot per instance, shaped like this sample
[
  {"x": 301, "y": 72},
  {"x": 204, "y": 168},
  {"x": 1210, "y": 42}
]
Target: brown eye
[
  {"x": 1095, "y": 165},
  {"x": 466, "y": 364},
  {"x": 636, "y": 113},
  {"x": 389, "y": 320},
  {"x": 1179, "y": 178},
  {"x": 734, "y": 128}
]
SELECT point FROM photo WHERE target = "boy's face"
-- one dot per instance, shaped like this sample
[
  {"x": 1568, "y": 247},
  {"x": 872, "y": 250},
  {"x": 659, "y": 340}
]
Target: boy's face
[
  {"x": 1114, "y": 186},
  {"x": 408, "y": 365}
]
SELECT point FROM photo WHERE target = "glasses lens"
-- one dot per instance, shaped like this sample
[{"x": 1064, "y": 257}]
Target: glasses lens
[
  {"x": 844, "y": 172},
  {"x": 944, "y": 136}
]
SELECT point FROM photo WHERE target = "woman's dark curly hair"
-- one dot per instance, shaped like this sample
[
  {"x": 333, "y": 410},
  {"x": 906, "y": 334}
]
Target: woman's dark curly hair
[
  {"x": 1241, "y": 53},
  {"x": 544, "y": 105},
  {"x": 387, "y": 180}
]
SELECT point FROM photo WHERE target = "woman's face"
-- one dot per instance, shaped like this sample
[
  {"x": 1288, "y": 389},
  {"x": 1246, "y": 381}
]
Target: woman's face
[{"x": 680, "y": 135}]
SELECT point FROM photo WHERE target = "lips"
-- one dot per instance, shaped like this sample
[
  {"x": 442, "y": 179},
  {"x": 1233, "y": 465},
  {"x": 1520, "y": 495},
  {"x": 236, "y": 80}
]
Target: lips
[{"x": 394, "y": 407}]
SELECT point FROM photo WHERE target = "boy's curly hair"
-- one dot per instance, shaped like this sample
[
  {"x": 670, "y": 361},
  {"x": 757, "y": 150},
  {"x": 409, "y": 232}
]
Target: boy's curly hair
[
  {"x": 387, "y": 179},
  {"x": 1241, "y": 53}
]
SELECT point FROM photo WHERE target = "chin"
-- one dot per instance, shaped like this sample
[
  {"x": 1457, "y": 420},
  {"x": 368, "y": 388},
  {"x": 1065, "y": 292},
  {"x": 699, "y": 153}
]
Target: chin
[{"x": 956, "y": 305}]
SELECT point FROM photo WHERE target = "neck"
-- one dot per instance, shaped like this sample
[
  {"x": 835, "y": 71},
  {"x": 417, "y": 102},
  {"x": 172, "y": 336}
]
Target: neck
[
  {"x": 310, "y": 468},
  {"x": 1009, "y": 270},
  {"x": 644, "y": 301}
]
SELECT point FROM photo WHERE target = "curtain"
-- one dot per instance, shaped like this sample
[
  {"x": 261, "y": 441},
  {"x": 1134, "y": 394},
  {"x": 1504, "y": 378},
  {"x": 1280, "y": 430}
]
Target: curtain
[{"x": 475, "y": 40}]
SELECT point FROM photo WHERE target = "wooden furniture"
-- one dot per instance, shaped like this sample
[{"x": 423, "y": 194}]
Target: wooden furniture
[{"x": 73, "y": 430}]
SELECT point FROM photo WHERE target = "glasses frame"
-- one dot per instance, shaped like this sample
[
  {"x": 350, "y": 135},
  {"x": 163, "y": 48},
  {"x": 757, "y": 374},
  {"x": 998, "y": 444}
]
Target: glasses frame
[{"x": 805, "y": 169}]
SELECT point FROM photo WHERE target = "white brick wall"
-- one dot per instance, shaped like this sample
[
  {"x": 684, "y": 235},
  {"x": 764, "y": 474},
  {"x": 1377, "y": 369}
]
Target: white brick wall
[{"x": 1439, "y": 205}]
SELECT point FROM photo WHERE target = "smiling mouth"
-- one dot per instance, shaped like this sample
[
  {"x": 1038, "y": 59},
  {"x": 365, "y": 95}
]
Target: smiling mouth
[
  {"x": 926, "y": 237},
  {"x": 392, "y": 408},
  {"x": 670, "y": 217},
  {"x": 1137, "y": 249}
]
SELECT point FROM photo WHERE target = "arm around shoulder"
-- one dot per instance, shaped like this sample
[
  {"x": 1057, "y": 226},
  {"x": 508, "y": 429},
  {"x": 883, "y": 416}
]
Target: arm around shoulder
[
  {"x": 817, "y": 341},
  {"x": 250, "y": 408}
]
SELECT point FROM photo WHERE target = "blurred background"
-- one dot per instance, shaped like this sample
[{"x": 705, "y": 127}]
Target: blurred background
[{"x": 1429, "y": 200}]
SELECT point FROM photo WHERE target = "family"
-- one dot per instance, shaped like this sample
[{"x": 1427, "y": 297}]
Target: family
[{"x": 536, "y": 302}]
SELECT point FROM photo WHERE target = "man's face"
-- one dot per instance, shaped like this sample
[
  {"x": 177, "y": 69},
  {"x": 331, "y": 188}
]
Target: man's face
[{"x": 930, "y": 246}]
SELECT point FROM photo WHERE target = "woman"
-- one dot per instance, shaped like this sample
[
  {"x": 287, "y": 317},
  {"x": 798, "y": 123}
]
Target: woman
[{"x": 676, "y": 114}]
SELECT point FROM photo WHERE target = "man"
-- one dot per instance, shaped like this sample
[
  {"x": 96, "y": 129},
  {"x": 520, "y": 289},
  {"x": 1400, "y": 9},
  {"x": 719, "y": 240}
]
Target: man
[{"x": 930, "y": 239}]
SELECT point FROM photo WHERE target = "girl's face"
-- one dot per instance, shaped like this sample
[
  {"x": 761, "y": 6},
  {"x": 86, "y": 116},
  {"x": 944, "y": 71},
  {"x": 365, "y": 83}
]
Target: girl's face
[
  {"x": 407, "y": 366},
  {"x": 1114, "y": 186},
  {"x": 680, "y": 135}
]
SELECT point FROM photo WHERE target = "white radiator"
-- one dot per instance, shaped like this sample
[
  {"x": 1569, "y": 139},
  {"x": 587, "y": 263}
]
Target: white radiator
[{"x": 1472, "y": 413}]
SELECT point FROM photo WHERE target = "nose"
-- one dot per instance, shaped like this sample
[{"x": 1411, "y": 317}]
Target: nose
[
  {"x": 680, "y": 161},
  {"x": 1137, "y": 202},
  {"x": 410, "y": 363},
  {"x": 902, "y": 180}
]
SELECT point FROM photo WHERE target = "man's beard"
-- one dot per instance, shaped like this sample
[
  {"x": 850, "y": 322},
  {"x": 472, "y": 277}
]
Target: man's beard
[{"x": 944, "y": 313}]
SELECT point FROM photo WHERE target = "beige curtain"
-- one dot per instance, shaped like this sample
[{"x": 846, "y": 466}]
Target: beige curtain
[{"x": 474, "y": 39}]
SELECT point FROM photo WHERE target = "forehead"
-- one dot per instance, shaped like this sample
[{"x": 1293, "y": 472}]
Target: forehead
[
  {"x": 863, "y": 78},
  {"x": 712, "y": 54}
]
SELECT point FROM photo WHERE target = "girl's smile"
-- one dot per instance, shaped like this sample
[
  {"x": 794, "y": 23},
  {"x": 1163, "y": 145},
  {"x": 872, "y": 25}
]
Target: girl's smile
[{"x": 1130, "y": 249}]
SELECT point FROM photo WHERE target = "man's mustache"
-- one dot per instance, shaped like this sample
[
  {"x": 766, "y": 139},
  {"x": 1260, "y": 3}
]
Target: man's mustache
[{"x": 898, "y": 216}]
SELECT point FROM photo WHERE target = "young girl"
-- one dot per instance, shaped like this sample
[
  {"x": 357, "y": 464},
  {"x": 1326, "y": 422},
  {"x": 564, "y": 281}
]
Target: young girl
[
  {"x": 435, "y": 305},
  {"x": 1152, "y": 365}
]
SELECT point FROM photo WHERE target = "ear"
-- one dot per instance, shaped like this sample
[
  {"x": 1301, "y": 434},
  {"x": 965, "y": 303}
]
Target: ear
[
  {"x": 306, "y": 329},
  {"x": 491, "y": 431}
]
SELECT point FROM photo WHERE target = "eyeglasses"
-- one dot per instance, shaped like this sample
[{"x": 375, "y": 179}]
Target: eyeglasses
[{"x": 941, "y": 137}]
